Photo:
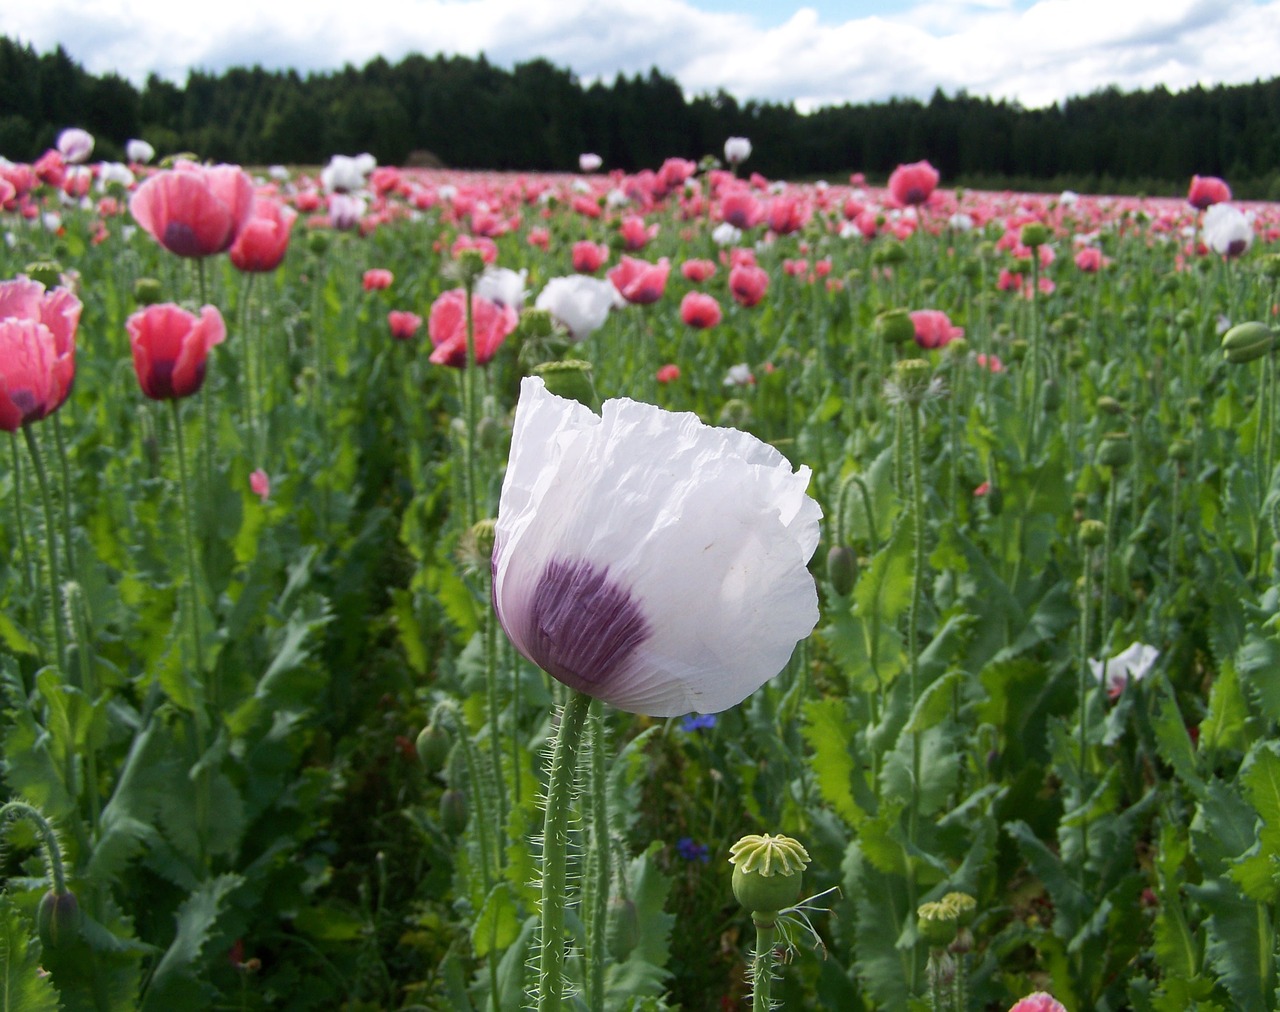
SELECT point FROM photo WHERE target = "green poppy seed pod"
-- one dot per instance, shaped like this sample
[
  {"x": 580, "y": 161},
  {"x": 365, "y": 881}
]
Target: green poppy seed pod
[
  {"x": 468, "y": 266},
  {"x": 1033, "y": 234},
  {"x": 1115, "y": 450},
  {"x": 971, "y": 268},
  {"x": 927, "y": 286},
  {"x": 58, "y": 919},
  {"x": 47, "y": 272},
  {"x": 1092, "y": 533},
  {"x": 955, "y": 348},
  {"x": 536, "y": 323},
  {"x": 995, "y": 500},
  {"x": 1180, "y": 450},
  {"x": 1185, "y": 320},
  {"x": 936, "y": 923},
  {"x": 1247, "y": 341},
  {"x": 570, "y": 378},
  {"x": 318, "y": 242},
  {"x": 767, "y": 872},
  {"x": 433, "y": 744},
  {"x": 453, "y": 811},
  {"x": 964, "y": 906},
  {"x": 1050, "y": 396},
  {"x": 890, "y": 253},
  {"x": 894, "y": 326},
  {"x": 735, "y": 413},
  {"x": 622, "y": 928},
  {"x": 147, "y": 292},
  {"x": 1110, "y": 405},
  {"x": 842, "y": 569},
  {"x": 1019, "y": 267},
  {"x": 1075, "y": 359},
  {"x": 1018, "y": 349},
  {"x": 1270, "y": 265},
  {"x": 1079, "y": 500}
]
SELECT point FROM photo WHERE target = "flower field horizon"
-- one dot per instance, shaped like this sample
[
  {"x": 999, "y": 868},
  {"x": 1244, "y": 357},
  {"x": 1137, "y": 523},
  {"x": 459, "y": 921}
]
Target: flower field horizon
[{"x": 451, "y": 590}]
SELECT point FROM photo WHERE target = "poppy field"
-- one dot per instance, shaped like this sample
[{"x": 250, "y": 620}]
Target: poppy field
[{"x": 683, "y": 589}]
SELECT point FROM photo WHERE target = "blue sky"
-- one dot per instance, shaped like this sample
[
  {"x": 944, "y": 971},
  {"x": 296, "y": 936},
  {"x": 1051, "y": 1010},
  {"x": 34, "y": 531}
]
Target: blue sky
[{"x": 1035, "y": 52}]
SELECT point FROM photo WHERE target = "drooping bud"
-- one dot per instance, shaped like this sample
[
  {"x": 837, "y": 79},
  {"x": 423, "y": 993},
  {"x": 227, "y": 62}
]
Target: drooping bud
[
  {"x": 433, "y": 744},
  {"x": 1050, "y": 396},
  {"x": 58, "y": 919},
  {"x": 453, "y": 811},
  {"x": 842, "y": 569}
]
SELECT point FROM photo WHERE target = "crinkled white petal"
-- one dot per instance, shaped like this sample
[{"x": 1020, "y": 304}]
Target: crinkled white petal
[{"x": 708, "y": 531}]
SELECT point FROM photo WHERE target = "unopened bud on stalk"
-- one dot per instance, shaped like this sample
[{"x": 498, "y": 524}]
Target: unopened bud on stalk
[
  {"x": 1247, "y": 341},
  {"x": 147, "y": 291},
  {"x": 433, "y": 744},
  {"x": 58, "y": 919},
  {"x": 842, "y": 569},
  {"x": 453, "y": 811},
  {"x": 536, "y": 323},
  {"x": 1110, "y": 405},
  {"x": 1050, "y": 396},
  {"x": 318, "y": 242}
]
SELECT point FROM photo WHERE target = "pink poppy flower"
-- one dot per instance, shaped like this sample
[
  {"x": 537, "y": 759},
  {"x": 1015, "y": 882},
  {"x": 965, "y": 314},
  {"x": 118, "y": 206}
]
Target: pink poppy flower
[
  {"x": 741, "y": 209},
  {"x": 1205, "y": 191},
  {"x": 1040, "y": 1001},
  {"x": 983, "y": 489},
  {"x": 669, "y": 373},
  {"x": 37, "y": 350},
  {"x": 748, "y": 283},
  {"x": 403, "y": 324},
  {"x": 788, "y": 214},
  {"x": 171, "y": 347},
  {"x": 698, "y": 271},
  {"x": 539, "y": 238},
  {"x": 192, "y": 210},
  {"x": 934, "y": 328},
  {"x": 260, "y": 484},
  {"x": 699, "y": 310},
  {"x": 913, "y": 184},
  {"x": 262, "y": 243},
  {"x": 991, "y": 362},
  {"x": 635, "y": 234},
  {"x": 447, "y": 327},
  {"x": 640, "y": 282},
  {"x": 1090, "y": 260},
  {"x": 589, "y": 257},
  {"x": 377, "y": 278}
]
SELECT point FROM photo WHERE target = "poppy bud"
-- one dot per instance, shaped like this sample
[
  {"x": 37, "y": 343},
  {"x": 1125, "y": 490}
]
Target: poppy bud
[
  {"x": 318, "y": 242},
  {"x": 1050, "y": 396},
  {"x": 622, "y": 931},
  {"x": 453, "y": 811},
  {"x": 842, "y": 569},
  {"x": 1246, "y": 341},
  {"x": 58, "y": 919},
  {"x": 433, "y": 744},
  {"x": 147, "y": 291},
  {"x": 1110, "y": 405}
]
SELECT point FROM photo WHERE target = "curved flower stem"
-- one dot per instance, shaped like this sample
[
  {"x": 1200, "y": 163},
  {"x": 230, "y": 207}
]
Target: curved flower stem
[
  {"x": 762, "y": 962},
  {"x": 555, "y": 847},
  {"x": 51, "y": 546},
  {"x": 52, "y": 852}
]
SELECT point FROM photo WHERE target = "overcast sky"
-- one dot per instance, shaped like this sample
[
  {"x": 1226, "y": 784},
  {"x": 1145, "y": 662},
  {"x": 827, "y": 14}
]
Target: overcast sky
[{"x": 822, "y": 53}]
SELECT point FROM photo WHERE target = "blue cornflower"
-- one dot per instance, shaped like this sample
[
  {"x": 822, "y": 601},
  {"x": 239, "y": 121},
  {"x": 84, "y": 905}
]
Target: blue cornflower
[
  {"x": 697, "y": 722},
  {"x": 692, "y": 851}
]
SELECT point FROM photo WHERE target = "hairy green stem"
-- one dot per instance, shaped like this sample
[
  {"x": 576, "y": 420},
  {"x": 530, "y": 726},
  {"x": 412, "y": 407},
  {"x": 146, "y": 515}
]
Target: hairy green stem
[
  {"x": 51, "y": 547},
  {"x": 555, "y": 849},
  {"x": 762, "y": 960}
]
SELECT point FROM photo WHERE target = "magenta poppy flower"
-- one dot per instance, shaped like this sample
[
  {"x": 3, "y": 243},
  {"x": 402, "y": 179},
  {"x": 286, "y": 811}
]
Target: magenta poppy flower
[
  {"x": 635, "y": 233},
  {"x": 668, "y": 373},
  {"x": 37, "y": 350},
  {"x": 748, "y": 283},
  {"x": 788, "y": 214},
  {"x": 260, "y": 484},
  {"x": 171, "y": 348},
  {"x": 740, "y": 208},
  {"x": 913, "y": 184},
  {"x": 698, "y": 271},
  {"x": 1205, "y": 191},
  {"x": 447, "y": 328},
  {"x": 640, "y": 282},
  {"x": 193, "y": 210},
  {"x": 1090, "y": 260},
  {"x": 403, "y": 324},
  {"x": 262, "y": 243},
  {"x": 934, "y": 328},
  {"x": 377, "y": 278},
  {"x": 699, "y": 310},
  {"x": 1040, "y": 1001}
]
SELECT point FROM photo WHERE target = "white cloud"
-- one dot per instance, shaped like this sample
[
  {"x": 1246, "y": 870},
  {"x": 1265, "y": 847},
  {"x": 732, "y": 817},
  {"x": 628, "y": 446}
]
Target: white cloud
[{"x": 1035, "y": 53}]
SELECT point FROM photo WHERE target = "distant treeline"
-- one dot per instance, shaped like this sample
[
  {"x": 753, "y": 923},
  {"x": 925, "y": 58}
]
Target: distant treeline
[{"x": 468, "y": 113}]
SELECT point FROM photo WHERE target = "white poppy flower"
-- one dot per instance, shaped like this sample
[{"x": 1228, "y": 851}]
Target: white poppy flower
[
  {"x": 139, "y": 151},
  {"x": 1133, "y": 664},
  {"x": 1227, "y": 230},
  {"x": 589, "y": 162},
  {"x": 75, "y": 145},
  {"x": 579, "y": 302},
  {"x": 737, "y": 150},
  {"x": 503, "y": 286},
  {"x": 648, "y": 559}
]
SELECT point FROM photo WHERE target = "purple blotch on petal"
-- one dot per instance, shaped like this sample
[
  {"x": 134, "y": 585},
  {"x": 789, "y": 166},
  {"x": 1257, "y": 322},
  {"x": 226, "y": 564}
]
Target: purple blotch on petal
[{"x": 582, "y": 626}]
